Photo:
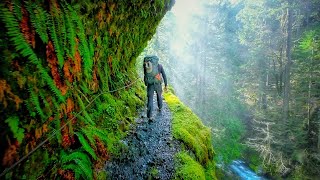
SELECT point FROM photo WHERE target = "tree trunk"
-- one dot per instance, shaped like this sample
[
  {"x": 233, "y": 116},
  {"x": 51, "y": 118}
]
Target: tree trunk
[{"x": 286, "y": 94}]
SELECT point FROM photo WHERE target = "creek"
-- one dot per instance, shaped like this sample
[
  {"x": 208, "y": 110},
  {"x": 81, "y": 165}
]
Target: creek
[{"x": 242, "y": 171}]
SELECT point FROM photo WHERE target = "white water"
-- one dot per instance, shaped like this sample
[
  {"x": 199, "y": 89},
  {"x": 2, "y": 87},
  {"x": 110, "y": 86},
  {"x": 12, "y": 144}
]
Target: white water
[{"x": 240, "y": 169}]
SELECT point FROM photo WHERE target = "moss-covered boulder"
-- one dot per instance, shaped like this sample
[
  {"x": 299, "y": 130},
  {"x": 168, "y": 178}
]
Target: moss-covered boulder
[
  {"x": 196, "y": 159},
  {"x": 67, "y": 76}
]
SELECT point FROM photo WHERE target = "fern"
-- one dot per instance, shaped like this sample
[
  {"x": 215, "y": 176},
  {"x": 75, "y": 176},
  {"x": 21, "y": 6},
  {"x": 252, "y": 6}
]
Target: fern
[
  {"x": 30, "y": 108},
  {"x": 87, "y": 118},
  {"x": 17, "y": 9},
  {"x": 86, "y": 146},
  {"x": 52, "y": 85},
  {"x": 58, "y": 126},
  {"x": 36, "y": 103},
  {"x": 38, "y": 18},
  {"x": 92, "y": 131},
  {"x": 12, "y": 25},
  {"x": 83, "y": 47},
  {"x": 81, "y": 161},
  {"x": 13, "y": 122},
  {"x": 77, "y": 171},
  {"x": 91, "y": 46},
  {"x": 71, "y": 35},
  {"x": 24, "y": 48},
  {"x": 54, "y": 37}
]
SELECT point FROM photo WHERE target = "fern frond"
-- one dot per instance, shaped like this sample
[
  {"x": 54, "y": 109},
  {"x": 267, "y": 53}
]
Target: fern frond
[
  {"x": 52, "y": 85},
  {"x": 30, "y": 108},
  {"x": 36, "y": 103},
  {"x": 83, "y": 46},
  {"x": 77, "y": 171},
  {"x": 82, "y": 162},
  {"x": 53, "y": 32},
  {"x": 86, "y": 168},
  {"x": 57, "y": 127},
  {"x": 71, "y": 35},
  {"x": 86, "y": 146},
  {"x": 25, "y": 50},
  {"x": 38, "y": 17},
  {"x": 12, "y": 25},
  {"x": 17, "y": 9},
  {"x": 92, "y": 131},
  {"x": 87, "y": 118}
]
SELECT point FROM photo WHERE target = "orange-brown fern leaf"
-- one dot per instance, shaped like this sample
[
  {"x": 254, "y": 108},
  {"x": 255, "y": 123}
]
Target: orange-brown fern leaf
[
  {"x": 66, "y": 70},
  {"x": 10, "y": 155},
  {"x": 77, "y": 65},
  {"x": 6, "y": 94},
  {"x": 26, "y": 28},
  {"x": 53, "y": 64},
  {"x": 70, "y": 106}
]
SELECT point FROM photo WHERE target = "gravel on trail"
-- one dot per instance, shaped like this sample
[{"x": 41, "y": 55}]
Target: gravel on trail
[{"x": 150, "y": 149}]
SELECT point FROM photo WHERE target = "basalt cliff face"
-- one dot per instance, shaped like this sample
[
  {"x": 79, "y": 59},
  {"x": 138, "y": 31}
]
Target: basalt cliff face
[{"x": 68, "y": 79}]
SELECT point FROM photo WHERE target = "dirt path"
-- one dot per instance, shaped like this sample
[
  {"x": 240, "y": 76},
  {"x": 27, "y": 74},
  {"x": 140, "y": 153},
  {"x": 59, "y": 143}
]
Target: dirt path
[{"x": 151, "y": 149}]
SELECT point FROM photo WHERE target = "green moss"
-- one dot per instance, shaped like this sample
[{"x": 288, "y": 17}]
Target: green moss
[
  {"x": 189, "y": 129},
  {"x": 188, "y": 168}
]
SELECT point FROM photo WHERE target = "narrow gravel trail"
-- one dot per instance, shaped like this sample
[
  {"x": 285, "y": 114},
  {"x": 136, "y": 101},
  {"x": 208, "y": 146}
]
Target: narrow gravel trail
[{"x": 150, "y": 149}]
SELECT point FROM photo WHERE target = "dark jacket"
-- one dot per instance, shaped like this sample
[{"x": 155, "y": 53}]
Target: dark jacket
[{"x": 161, "y": 71}]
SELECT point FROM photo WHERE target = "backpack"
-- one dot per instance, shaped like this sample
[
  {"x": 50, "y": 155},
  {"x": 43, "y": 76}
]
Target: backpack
[{"x": 152, "y": 74}]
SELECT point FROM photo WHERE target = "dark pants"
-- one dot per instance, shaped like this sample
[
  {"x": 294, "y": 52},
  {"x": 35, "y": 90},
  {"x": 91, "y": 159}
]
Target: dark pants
[{"x": 150, "y": 91}]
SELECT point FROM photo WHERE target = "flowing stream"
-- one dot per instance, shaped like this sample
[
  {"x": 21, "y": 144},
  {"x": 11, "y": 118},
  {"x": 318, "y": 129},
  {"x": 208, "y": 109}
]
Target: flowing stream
[{"x": 241, "y": 170}]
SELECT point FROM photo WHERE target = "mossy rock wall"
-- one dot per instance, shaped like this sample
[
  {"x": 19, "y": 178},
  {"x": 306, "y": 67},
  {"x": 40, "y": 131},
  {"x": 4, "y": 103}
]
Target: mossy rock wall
[
  {"x": 195, "y": 161},
  {"x": 56, "y": 57}
]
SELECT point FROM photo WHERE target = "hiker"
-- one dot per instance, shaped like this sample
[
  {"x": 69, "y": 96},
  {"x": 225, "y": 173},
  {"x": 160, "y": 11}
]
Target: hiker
[{"x": 152, "y": 79}]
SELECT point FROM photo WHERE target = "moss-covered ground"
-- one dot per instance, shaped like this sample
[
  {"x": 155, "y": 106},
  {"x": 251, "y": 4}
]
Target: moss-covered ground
[{"x": 195, "y": 161}]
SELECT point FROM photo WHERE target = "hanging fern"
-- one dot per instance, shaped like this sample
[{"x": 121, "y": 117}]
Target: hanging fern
[
  {"x": 24, "y": 48},
  {"x": 83, "y": 46},
  {"x": 52, "y": 85},
  {"x": 57, "y": 127},
  {"x": 38, "y": 17},
  {"x": 92, "y": 131},
  {"x": 71, "y": 35},
  {"x": 81, "y": 161},
  {"x": 36, "y": 103},
  {"x": 16, "y": 36},
  {"x": 86, "y": 146},
  {"x": 17, "y": 9},
  {"x": 87, "y": 118},
  {"x": 54, "y": 37}
]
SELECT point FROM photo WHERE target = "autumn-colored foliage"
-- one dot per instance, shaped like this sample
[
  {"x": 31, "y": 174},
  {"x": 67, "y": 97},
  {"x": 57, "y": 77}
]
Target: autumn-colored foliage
[
  {"x": 6, "y": 94},
  {"x": 53, "y": 64},
  {"x": 27, "y": 31},
  {"x": 11, "y": 154}
]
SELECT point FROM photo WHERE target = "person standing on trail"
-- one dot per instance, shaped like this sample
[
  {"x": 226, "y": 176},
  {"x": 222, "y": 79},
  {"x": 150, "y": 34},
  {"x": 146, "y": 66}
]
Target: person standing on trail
[{"x": 152, "y": 79}]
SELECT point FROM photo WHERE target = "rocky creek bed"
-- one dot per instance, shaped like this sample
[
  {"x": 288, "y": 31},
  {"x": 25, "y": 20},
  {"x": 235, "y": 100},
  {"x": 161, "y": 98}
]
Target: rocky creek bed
[{"x": 150, "y": 149}]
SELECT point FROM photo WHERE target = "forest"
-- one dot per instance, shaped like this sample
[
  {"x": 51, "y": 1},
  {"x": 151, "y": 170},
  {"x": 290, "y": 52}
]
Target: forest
[
  {"x": 251, "y": 71},
  {"x": 71, "y": 85}
]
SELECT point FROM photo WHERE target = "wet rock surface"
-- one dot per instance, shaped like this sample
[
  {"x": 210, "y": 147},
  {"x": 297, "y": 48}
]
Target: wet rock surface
[{"x": 149, "y": 149}]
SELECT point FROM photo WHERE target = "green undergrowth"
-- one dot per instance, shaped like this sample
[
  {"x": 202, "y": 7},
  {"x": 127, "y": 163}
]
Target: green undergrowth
[{"x": 195, "y": 161}]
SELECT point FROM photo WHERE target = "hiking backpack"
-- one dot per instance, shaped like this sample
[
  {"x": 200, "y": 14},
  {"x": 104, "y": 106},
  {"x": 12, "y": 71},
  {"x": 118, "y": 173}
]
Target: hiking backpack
[{"x": 152, "y": 74}]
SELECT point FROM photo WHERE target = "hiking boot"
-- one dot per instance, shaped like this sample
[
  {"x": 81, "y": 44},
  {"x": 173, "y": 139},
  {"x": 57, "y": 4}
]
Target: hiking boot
[{"x": 151, "y": 119}]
